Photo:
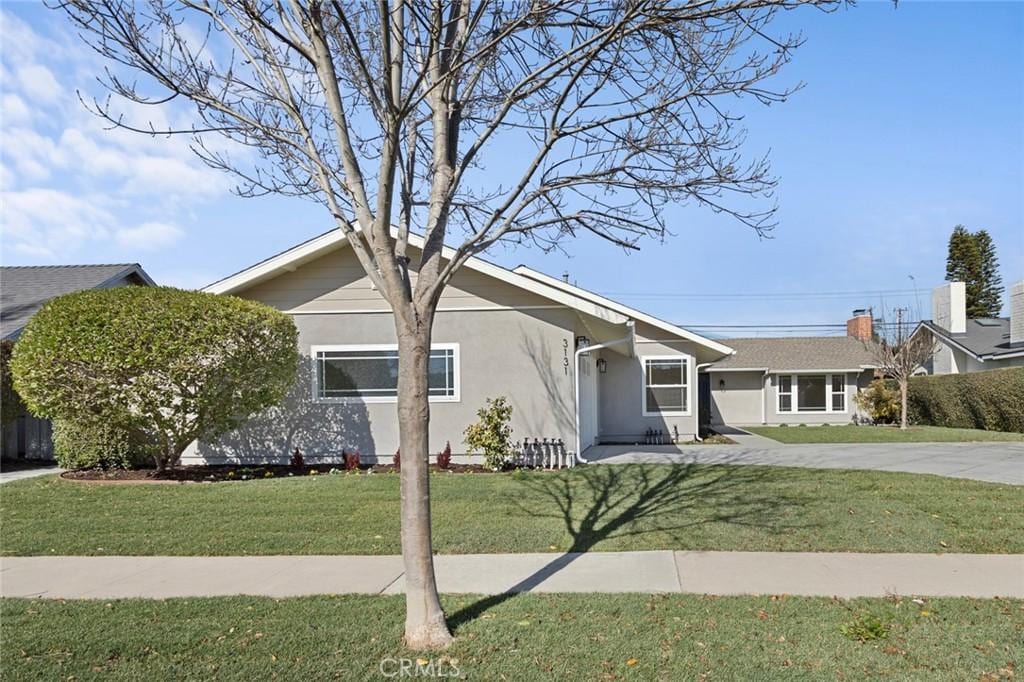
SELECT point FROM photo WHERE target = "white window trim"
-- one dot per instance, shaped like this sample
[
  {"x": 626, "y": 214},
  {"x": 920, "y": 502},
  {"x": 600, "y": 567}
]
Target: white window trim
[
  {"x": 688, "y": 359},
  {"x": 795, "y": 393},
  {"x": 456, "y": 371}
]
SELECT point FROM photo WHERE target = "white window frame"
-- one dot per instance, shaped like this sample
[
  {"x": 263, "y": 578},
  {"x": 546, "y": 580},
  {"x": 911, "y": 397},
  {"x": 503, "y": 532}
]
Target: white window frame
[
  {"x": 794, "y": 393},
  {"x": 687, "y": 386},
  {"x": 314, "y": 351},
  {"x": 832, "y": 393}
]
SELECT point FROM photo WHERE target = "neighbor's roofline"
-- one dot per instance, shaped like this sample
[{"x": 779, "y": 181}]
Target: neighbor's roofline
[
  {"x": 529, "y": 280},
  {"x": 945, "y": 337}
]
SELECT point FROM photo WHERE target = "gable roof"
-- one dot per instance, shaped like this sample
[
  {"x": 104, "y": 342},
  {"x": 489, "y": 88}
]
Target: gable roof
[
  {"x": 986, "y": 338},
  {"x": 797, "y": 353},
  {"x": 625, "y": 310},
  {"x": 524, "y": 278},
  {"x": 24, "y": 289}
]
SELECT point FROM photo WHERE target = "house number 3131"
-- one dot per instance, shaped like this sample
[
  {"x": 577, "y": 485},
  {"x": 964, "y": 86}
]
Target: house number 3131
[{"x": 565, "y": 354}]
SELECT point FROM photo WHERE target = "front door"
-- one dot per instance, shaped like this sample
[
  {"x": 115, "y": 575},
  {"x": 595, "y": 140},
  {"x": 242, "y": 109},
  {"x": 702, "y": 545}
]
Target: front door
[
  {"x": 588, "y": 401},
  {"x": 704, "y": 401}
]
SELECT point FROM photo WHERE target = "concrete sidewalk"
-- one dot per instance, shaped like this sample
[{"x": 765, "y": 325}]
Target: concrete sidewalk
[{"x": 722, "y": 573}]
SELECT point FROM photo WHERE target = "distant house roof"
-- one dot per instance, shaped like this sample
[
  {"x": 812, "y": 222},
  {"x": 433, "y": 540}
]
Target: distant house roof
[
  {"x": 800, "y": 353},
  {"x": 24, "y": 289},
  {"x": 986, "y": 338}
]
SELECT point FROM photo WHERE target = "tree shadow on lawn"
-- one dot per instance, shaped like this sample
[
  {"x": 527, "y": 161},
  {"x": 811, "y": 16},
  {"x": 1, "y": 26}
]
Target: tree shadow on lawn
[{"x": 600, "y": 502}]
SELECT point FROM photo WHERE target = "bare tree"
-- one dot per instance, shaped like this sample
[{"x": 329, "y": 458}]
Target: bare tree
[
  {"x": 901, "y": 348},
  {"x": 385, "y": 112}
]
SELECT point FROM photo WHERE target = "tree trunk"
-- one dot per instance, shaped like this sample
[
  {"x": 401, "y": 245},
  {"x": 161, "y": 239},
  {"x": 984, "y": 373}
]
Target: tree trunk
[
  {"x": 903, "y": 404},
  {"x": 425, "y": 626}
]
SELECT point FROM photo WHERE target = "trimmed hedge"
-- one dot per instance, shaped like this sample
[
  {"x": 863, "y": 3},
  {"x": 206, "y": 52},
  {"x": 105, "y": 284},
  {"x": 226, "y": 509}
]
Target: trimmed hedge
[
  {"x": 84, "y": 445},
  {"x": 991, "y": 400}
]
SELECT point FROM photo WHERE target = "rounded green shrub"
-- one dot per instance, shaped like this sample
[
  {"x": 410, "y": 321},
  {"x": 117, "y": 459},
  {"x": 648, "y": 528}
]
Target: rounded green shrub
[
  {"x": 163, "y": 365},
  {"x": 492, "y": 435},
  {"x": 85, "y": 445},
  {"x": 880, "y": 401}
]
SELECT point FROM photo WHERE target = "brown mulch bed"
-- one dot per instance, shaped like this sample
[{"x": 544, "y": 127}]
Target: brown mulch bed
[{"x": 240, "y": 472}]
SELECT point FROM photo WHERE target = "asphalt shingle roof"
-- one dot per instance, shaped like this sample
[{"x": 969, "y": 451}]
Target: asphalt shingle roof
[
  {"x": 797, "y": 353},
  {"x": 984, "y": 336},
  {"x": 24, "y": 289}
]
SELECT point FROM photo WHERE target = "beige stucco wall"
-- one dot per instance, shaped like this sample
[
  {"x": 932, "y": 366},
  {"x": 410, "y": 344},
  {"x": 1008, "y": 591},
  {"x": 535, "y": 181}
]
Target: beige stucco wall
[
  {"x": 739, "y": 401},
  {"x": 524, "y": 354},
  {"x": 620, "y": 408},
  {"x": 336, "y": 282}
]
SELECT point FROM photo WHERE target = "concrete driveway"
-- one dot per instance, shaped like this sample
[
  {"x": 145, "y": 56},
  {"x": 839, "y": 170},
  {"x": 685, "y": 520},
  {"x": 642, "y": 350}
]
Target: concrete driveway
[
  {"x": 18, "y": 474},
  {"x": 992, "y": 462}
]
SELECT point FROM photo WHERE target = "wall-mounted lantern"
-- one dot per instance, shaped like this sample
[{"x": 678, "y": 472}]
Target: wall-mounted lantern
[
  {"x": 602, "y": 365},
  {"x": 721, "y": 383}
]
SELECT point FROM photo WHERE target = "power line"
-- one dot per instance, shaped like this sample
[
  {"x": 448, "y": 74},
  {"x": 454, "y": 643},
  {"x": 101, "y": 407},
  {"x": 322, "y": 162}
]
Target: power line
[{"x": 759, "y": 295}]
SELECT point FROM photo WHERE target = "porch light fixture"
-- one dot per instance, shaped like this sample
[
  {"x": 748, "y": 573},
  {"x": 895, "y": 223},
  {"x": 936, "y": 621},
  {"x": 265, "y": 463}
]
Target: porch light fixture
[
  {"x": 602, "y": 365},
  {"x": 721, "y": 383},
  {"x": 582, "y": 342}
]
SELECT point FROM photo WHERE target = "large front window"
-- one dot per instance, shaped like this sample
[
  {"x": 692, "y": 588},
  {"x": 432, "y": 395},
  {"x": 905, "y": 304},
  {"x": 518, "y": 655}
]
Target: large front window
[
  {"x": 665, "y": 386},
  {"x": 811, "y": 393},
  {"x": 370, "y": 373}
]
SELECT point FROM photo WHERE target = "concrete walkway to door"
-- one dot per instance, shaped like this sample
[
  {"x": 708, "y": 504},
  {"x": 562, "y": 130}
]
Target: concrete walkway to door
[
  {"x": 722, "y": 573},
  {"x": 991, "y": 462}
]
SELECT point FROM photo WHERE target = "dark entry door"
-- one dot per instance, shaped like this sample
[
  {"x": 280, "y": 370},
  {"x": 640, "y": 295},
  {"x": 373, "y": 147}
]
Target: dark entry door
[{"x": 704, "y": 400}]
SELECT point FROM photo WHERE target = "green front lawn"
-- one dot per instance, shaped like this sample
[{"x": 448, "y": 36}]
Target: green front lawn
[
  {"x": 849, "y": 433},
  {"x": 525, "y": 637},
  {"x": 599, "y": 508}
]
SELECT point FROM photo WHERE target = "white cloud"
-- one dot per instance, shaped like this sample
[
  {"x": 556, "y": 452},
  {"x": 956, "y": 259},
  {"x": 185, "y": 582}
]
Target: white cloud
[
  {"x": 148, "y": 236},
  {"x": 66, "y": 181},
  {"x": 15, "y": 110},
  {"x": 38, "y": 83},
  {"x": 47, "y": 222}
]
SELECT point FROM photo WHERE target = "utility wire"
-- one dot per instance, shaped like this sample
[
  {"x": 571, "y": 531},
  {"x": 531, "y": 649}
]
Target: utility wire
[{"x": 759, "y": 295}]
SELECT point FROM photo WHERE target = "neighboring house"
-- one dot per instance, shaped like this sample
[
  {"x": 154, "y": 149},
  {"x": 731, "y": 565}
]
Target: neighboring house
[
  {"x": 23, "y": 290},
  {"x": 498, "y": 332},
  {"x": 793, "y": 380},
  {"x": 973, "y": 345}
]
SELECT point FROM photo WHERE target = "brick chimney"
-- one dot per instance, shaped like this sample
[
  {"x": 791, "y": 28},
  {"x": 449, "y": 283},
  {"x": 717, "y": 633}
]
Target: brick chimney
[
  {"x": 860, "y": 326},
  {"x": 949, "y": 307},
  {"x": 1017, "y": 314}
]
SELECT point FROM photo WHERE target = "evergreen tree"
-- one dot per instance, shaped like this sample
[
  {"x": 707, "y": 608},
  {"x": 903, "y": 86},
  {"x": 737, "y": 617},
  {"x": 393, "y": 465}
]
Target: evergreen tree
[
  {"x": 990, "y": 296},
  {"x": 972, "y": 260}
]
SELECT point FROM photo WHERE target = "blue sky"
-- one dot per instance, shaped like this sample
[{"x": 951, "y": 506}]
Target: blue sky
[{"x": 911, "y": 121}]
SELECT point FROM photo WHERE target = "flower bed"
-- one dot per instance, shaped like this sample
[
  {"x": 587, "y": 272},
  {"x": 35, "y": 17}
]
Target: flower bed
[{"x": 239, "y": 472}]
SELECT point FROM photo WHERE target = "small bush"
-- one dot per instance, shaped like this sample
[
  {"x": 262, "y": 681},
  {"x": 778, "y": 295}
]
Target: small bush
[
  {"x": 865, "y": 628},
  {"x": 83, "y": 445},
  {"x": 351, "y": 461},
  {"x": 880, "y": 401},
  {"x": 991, "y": 400},
  {"x": 397, "y": 459},
  {"x": 492, "y": 435},
  {"x": 444, "y": 458},
  {"x": 297, "y": 461}
]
